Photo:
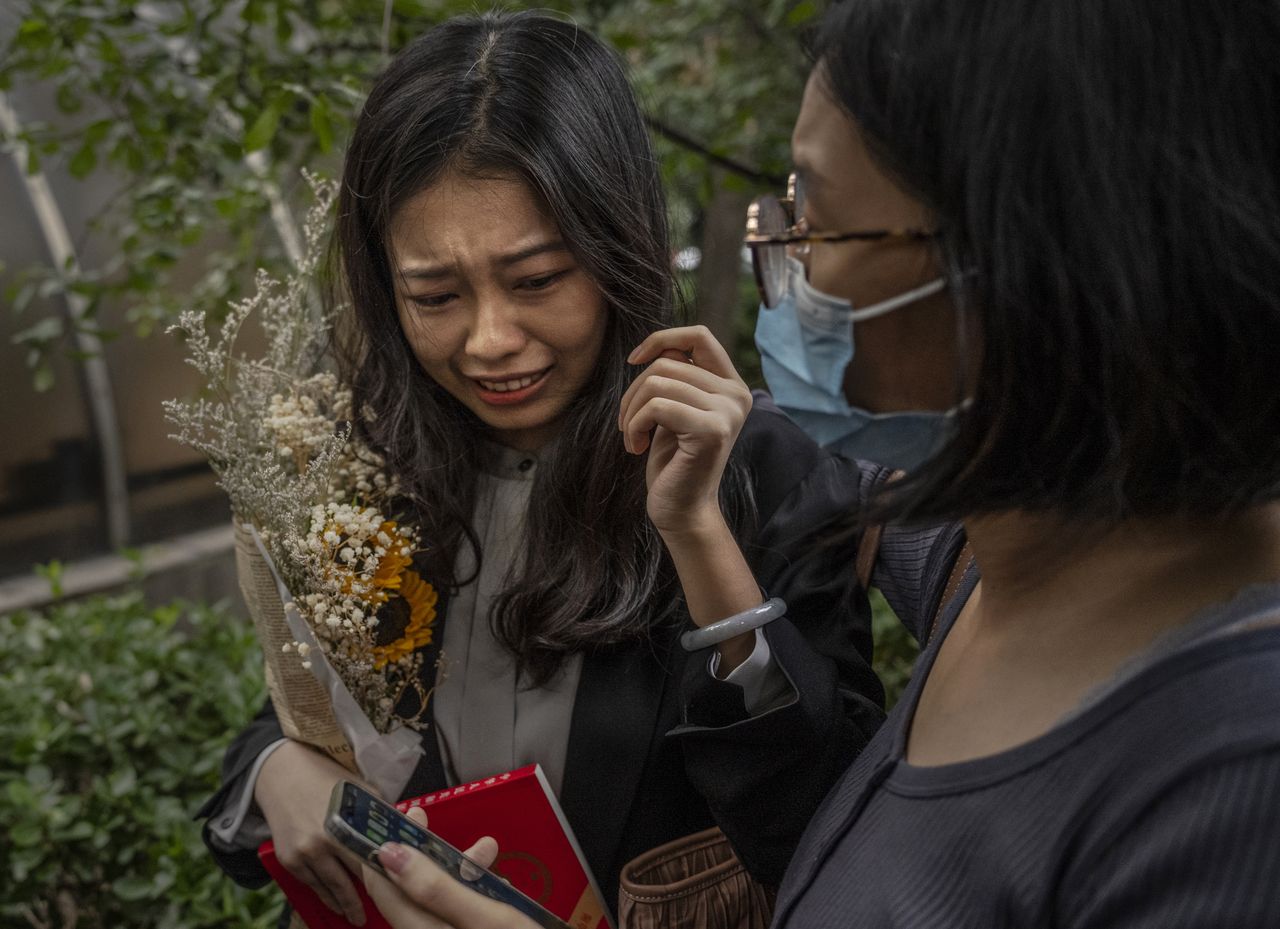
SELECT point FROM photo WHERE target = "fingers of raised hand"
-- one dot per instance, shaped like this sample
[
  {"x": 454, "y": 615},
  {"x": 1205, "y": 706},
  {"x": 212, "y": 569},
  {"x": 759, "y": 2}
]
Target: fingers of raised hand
[
  {"x": 676, "y": 369},
  {"x": 681, "y": 419},
  {"x": 658, "y": 395},
  {"x": 685, "y": 384},
  {"x": 695, "y": 343}
]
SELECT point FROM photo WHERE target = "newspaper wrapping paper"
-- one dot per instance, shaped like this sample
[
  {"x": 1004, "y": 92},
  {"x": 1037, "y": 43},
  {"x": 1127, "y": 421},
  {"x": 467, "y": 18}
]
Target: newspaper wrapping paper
[{"x": 315, "y": 706}]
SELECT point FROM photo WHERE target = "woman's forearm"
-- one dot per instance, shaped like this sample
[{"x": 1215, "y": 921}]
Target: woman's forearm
[{"x": 716, "y": 579}]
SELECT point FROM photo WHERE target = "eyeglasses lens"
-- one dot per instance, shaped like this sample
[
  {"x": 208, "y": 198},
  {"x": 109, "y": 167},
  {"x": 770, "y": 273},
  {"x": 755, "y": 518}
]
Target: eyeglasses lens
[
  {"x": 770, "y": 259},
  {"x": 795, "y": 193}
]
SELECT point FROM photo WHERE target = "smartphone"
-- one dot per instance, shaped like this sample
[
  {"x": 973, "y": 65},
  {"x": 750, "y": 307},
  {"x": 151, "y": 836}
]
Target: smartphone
[{"x": 361, "y": 822}]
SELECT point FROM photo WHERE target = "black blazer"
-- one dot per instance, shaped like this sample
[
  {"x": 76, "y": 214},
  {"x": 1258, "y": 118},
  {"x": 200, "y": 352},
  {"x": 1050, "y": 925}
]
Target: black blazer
[{"x": 658, "y": 748}]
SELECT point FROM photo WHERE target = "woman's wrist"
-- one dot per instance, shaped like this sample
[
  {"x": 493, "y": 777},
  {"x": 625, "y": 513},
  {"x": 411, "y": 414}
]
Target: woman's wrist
[
  {"x": 716, "y": 579},
  {"x": 699, "y": 530},
  {"x": 266, "y": 774}
]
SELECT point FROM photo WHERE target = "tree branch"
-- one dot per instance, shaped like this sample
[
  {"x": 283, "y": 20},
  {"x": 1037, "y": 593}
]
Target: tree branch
[{"x": 734, "y": 166}]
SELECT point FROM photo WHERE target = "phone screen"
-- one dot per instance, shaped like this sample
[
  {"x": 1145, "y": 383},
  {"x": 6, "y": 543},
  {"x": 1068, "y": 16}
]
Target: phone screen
[
  {"x": 362, "y": 822},
  {"x": 379, "y": 822}
]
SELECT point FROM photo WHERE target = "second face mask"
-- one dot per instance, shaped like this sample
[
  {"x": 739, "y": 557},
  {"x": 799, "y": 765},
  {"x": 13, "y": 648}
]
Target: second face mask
[{"x": 807, "y": 343}]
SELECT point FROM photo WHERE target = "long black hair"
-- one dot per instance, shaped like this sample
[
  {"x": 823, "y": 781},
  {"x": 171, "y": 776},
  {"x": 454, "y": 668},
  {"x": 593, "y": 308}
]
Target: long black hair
[
  {"x": 1106, "y": 180},
  {"x": 537, "y": 98}
]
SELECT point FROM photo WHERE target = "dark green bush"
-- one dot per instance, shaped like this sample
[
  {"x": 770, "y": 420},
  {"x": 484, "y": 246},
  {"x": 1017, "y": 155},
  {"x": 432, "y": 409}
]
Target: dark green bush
[
  {"x": 896, "y": 650},
  {"x": 113, "y": 720}
]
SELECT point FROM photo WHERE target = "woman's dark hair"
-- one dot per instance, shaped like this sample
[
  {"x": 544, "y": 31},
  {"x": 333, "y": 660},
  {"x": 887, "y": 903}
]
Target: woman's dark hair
[
  {"x": 537, "y": 98},
  {"x": 1105, "y": 177}
]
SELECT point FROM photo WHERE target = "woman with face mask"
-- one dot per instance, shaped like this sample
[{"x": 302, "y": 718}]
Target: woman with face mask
[
  {"x": 1092, "y": 735},
  {"x": 806, "y": 336}
]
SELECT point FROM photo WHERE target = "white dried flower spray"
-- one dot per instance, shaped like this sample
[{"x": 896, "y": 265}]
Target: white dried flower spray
[{"x": 277, "y": 430}]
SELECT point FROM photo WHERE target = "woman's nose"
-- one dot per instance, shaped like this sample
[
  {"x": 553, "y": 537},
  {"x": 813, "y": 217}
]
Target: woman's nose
[{"x": 495, "y": 330}]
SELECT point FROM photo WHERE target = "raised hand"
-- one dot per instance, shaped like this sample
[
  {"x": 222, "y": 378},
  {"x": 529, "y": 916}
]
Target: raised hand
[{"x": 686, "y": 410}]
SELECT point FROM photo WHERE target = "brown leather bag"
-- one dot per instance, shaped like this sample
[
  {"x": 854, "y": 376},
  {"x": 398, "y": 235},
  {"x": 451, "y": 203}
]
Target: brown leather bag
[{"x": 694, "y": 882}]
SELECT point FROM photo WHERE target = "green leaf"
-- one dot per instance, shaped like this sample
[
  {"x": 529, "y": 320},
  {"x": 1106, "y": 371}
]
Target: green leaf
[
  {"x": 79, "y": 830},
  {"x": 802, "y": 12},
  {"x": 134, "y": 159},
  {"x": 109, "y": 52},
  {"x": 25, "y": 834},
  {"x": 227, "y": 206},
  {"x": 67, "y": 99},
  {"x": 284, "y": 28},
  {"x": 84, "y": 161},
  {"x": 51, "y": 572},
  {"x": 264, "y": 127},
  {"x": 20, "y": 297},
  {"x": 322, "y": 123},
  {"x": 97, "y": 131},
  {"x": 134, "y": 888},
  {"x": 42, "y": 380},
  {"x": 254, "y": 12},
  {"x": 31, "y": 29},
  {"x": 122, "y": 782}
]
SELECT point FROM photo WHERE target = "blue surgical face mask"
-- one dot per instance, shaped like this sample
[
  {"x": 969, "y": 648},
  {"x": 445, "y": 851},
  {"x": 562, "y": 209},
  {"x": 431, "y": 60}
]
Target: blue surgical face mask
[{"x": 806, "y": 344}]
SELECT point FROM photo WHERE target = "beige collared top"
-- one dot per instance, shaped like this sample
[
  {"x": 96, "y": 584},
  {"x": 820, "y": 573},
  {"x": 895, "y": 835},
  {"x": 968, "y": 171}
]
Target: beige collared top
[{"x": 487, "y": 720}]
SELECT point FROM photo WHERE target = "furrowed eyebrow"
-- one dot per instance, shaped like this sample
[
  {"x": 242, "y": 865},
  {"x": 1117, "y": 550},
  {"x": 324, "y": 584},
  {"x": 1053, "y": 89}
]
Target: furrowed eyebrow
[
  {"x": 532, "y": 251},
  {"x": 424, "y": 273},
  {"x": 436, "y": 272}
]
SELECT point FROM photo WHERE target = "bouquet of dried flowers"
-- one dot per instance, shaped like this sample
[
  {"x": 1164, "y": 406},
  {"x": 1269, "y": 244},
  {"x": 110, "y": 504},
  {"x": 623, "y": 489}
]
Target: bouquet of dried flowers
[{"x": 326, "y": 567}]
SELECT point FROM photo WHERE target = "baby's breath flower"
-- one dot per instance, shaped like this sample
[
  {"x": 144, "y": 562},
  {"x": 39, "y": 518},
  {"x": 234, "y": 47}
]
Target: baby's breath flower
[{"x": 280, "y": 432}]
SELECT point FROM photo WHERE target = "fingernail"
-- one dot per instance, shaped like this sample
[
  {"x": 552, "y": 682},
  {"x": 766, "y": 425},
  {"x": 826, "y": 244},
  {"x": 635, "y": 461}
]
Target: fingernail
[
  {"x": 393, "y": 857},
  {"x": 631, "y": 359}
]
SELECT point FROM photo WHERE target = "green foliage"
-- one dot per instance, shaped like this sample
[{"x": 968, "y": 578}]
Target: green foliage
[
  {"x": 895, "y": 650},
  {"x": 171, "y": 96},
  {"x": 113, "y": 718},
  {"x": 52, "y": 572}
]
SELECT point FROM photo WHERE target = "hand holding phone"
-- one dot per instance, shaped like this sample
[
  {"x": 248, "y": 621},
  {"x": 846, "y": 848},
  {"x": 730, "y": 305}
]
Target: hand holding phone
[
  {"x": 418, "y": 895},
  {"x": 362, "y": 823}
]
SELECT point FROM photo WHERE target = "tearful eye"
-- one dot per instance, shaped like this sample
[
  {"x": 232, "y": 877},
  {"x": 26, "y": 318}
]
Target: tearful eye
[
  {"x": 542, "y": 281},
  {"x": 430, "y": 301}
]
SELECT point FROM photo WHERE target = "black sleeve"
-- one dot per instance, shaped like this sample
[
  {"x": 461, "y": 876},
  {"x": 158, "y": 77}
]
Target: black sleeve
[
  {"x": 764, "y": 777},
  {"x": 241, "y": 865}
]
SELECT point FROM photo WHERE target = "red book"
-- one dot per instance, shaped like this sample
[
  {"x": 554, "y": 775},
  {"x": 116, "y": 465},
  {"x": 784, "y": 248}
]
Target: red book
[{"x": 537, "y": 852}]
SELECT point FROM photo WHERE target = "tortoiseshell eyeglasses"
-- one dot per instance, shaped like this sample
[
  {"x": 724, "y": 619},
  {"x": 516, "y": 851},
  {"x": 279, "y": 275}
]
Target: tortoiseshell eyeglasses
[{"x": 776, "y": 227}]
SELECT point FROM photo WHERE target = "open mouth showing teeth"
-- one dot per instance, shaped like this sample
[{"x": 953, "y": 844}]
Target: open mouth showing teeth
[{"x": 502, "y": 387}]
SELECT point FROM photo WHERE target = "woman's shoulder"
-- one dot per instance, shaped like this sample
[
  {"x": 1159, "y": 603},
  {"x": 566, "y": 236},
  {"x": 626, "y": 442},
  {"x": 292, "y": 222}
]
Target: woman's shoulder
[
  {"x": 1218, "y": 690},
  {"x": 1211, "y": 703}
]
